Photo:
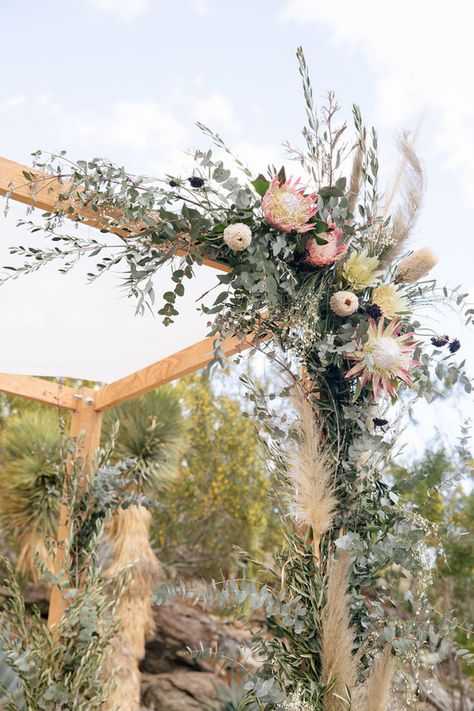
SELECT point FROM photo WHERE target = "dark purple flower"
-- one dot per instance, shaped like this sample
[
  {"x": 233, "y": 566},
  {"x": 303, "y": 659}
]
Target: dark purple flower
[
  {"x": 454, "y": 346},
  {"x": 440, "y": 341}
]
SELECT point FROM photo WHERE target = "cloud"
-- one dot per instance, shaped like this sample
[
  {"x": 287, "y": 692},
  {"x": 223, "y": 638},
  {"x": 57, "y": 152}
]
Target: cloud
[
  {"x": 201, "y": 7},
  {"x": 125, "y": 10},
  {"x": 13, "y": 102},
  {"x": 215, "y": 110},
  {"x": 421, "y": 56}
]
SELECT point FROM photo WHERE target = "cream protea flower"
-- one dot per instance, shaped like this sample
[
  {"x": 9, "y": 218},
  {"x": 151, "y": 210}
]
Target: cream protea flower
[
  {"x": 286, "y": 206},
  {"x": 238, "y": 236},
  {"x": 389, "y": 299},
  {"x": 384, "y": 358},
  {"x": 319, "y": 255},
  {"x": 416, "y": 265},
  {"x": 360, "y": 271},
  {"x": 344, "y": 303}
]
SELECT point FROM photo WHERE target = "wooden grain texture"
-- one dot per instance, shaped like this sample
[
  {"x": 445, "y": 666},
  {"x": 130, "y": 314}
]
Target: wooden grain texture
[
  {"x": 39, "y": 390},
  {"x": 44, "y": 192},
  {"x": 85, "y": 434},
  {"x": 164, "y": 371}
]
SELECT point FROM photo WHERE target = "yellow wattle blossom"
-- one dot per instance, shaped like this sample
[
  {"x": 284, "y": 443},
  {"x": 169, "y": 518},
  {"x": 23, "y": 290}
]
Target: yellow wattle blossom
[
  {"x": 389, "y": 299},
  {"x": 360, "y": 271}
]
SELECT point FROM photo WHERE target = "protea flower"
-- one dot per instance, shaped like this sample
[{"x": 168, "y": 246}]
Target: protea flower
[
  {"x": 384, "y": 358},
  {"x": 390, "y": 299},
  {"x": 286, "y": 206},
  {"x": 319, "y": 255}
]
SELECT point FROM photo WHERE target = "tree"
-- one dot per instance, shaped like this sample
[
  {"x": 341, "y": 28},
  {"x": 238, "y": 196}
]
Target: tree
[
  {"x": 30, "y": 480},
  {"x": 428, "y": 485},
  {"x": 221, "y": 496}
]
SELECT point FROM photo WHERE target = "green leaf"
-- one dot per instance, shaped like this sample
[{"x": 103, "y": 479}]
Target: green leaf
[{"x": 261, "y": 185}]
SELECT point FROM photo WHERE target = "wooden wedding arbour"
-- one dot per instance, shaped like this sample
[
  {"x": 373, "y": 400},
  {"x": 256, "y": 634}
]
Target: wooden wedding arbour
[{"x": 86, "y": 404}]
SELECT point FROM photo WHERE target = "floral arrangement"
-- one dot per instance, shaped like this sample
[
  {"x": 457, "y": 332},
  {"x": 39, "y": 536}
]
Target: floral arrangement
[{"x": 322, "y": 265}]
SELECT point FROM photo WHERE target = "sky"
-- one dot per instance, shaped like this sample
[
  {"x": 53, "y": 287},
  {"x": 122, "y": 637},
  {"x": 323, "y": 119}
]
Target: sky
[{"x": 127, "y": 79}]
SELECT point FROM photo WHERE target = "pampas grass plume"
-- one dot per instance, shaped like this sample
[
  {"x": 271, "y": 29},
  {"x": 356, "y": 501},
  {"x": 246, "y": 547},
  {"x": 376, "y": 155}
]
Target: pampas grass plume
[
  {"x": 312, "y": 474},
  {"x": 411, "y": 180},
  {"x": 338, "y": 664},
  {"x": 380, "y": 681}
]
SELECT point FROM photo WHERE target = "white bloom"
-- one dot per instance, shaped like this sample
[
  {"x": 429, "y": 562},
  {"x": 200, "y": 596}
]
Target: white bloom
[
  {"x": 344, "y": 303},
  {"x": 237, "y": 236},
  {"x": 389, "y": 299}
]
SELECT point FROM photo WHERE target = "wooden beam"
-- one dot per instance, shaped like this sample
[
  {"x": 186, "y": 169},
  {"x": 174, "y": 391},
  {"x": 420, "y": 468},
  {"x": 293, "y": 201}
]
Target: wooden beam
[
  {"x": 164, "y": 371},
  {"x": 85, "y": 434},
  {"x": 44, "y": 192},
  {"x": 44, "y": 391}
]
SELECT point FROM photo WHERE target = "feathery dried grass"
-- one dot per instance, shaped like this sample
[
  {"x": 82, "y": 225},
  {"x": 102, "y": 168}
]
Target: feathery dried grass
[
  {"x": 338, "y": 664},
  {"x": 410, "y": 183},
  {"x": 128, "y": 535},
  {"x": 312, "y": 474},
  {"x": 380, "y": 681},
  {"x": 355, "y": 181}
]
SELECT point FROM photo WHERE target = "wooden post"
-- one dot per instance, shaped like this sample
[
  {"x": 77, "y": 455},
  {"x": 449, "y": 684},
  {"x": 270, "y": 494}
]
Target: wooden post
[{"x": 85, "y": 431}]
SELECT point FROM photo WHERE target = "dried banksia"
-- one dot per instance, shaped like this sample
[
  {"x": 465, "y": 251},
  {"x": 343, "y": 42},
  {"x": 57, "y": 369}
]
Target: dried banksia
[
  {"x": 312, "y": 473},
  {"x": 416, "y": 266},
  {"x": 411, "y": 180},
  {"x": 338, "y": 664}
]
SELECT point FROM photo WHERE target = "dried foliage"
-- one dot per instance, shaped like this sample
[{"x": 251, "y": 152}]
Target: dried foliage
[
  {"x": 410, "y": 184},
  {"x": 338, "y": 664},
  {"x": 130, "y": 556},
  {"x": 311, "y": 471}
]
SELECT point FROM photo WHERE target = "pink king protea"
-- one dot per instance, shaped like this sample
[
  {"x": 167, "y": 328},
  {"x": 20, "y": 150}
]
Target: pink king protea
[
  {"x": 319, "y": 255},
  {"x": 384, "y": 358},
  {"x": 286, "y": 206}
]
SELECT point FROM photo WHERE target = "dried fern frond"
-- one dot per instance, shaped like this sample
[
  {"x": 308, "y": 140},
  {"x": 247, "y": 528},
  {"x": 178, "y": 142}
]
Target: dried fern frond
[
  {"x": 410, "y": 184},
  {"x": 312, "y": 473},
  {"x": 338, "y": 664}
]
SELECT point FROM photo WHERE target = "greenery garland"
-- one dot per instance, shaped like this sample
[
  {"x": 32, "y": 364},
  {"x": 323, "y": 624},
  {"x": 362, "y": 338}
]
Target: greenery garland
[{"x": 324, "y": 270}]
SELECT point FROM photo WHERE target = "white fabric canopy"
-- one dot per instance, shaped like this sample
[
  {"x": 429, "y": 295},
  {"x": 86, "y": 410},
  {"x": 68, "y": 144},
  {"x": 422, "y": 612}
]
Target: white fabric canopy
[{"x": 60, "y": 325}]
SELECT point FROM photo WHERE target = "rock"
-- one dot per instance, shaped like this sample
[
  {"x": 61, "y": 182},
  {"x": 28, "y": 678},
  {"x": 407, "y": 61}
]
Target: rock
[
  {"x": 179, "y": 691},
  {"x": 179, "y": 625}
]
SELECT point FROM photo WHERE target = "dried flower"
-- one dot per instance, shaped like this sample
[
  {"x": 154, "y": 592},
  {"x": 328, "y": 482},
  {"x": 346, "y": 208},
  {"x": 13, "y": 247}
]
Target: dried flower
[
  {"x": 416, "y": 265},
  {"x": 196, "y": 182},
  {"x": 374, "y": 311},
  {"x": 287, "y": 208},
  {"x": 454, "y": 346},
  {"x": 384, "y": 358},
  {"x": 360, "y": 271},
  {"x": 388, "y": 297},
  {"x": 237, "y": 236},
  {"x": 344, "y": 303},
  {"x": 312, "y": 473},
  {"x": 319, "y": 255},
  {"x": 440, "y": 341}
]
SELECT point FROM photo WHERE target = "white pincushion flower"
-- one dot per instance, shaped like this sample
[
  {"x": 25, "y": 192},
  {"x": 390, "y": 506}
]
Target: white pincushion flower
[
  {"x": 237, "y": 236},
  {"x": 344, "y": 303}
]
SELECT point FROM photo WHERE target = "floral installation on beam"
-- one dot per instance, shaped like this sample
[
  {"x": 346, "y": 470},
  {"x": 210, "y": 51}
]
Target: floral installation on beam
[{"x": 322, "y": 266}]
